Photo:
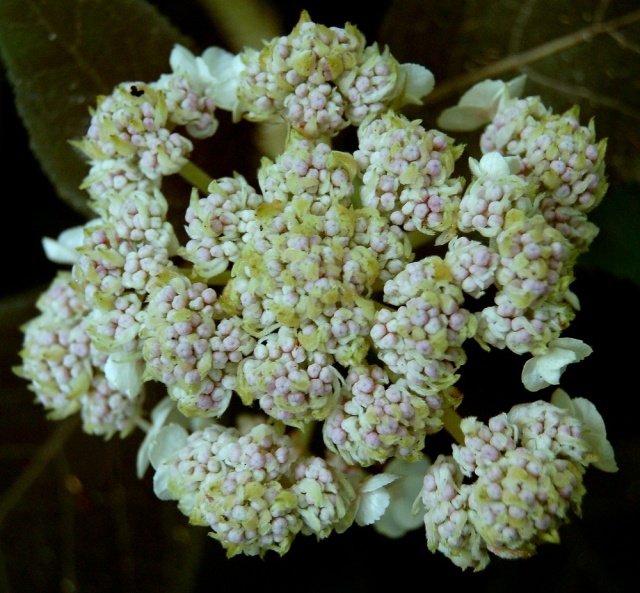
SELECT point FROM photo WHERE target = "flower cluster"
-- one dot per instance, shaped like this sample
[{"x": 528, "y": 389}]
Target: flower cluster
[
  {"x": 305, "y": 351},
  {"x": 527, "y": 467}
]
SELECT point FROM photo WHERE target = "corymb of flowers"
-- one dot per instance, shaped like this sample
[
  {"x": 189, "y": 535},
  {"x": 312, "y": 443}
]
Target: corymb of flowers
[{"x": 300, "y": 349}]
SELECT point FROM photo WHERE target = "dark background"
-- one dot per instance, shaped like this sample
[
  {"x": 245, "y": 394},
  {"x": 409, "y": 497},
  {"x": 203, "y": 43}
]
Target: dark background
[{"x": 76, "y": 518}]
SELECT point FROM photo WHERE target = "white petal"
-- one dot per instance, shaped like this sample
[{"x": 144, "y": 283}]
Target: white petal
[
  {"x": 515, "y": 86},
  {"x": 388, "y": 527},
  {"x": 546, "y": 369},
  {"x": 401, "y": 467},
  {"x": 479, "y": 104},
  {"x": 484, "y": 94},
  {"x": 159, "y": 415},
  {"x": 531, "y": 378},
  {"x": 378, "y": 481},
  {"x": 142, "y": 458},
  {"x": 514, "y": 163},
  {"x": 607, "y": 460},
  {"x": 402, "y": 515},
  {"x": 372, "y": 506},
  {"x": 219, "y": 62},
  {"x": 561, "y": 399},
  {"x": 578, "y": 347},
  {"x": 125, "y": 376},
  {"x": 474, "y": 166},
  {"x": 63, "y": 250},
  {"x": 464, "y": 118},
  {"x": 552, "y": 365},
  {"x": 224, "y": 70},
  {"x": 419, "y": 84},
  {"x": 494, "y": 165},
  {"x": 572, "y": 298},
  {"x": 161, "y": 412},
  {"x": 594, "y": 429},
  {"x": 170, "y": 438},
  {"x": 161, "y": 483},
  {"x": 403, "y": 511},
  {"x": 182, "y": 61}
]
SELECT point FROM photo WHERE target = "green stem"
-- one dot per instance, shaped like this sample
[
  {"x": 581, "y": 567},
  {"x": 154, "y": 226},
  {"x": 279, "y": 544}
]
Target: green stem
[
  {"x": 302, "y": 436},
  {"x": 418, "y": 239},
  {"x": 143, "y": 424},
  {"x": 452, "y": 420},
  {"x": 194, "y": 175},
  {"x": 221, "y": 279}
]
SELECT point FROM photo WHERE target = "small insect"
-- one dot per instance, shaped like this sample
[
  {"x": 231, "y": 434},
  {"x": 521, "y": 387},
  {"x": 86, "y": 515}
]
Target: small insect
[{"x": 135, "y": 91}]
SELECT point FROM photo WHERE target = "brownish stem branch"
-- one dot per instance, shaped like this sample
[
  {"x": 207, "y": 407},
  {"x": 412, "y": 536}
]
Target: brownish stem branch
[
  {"x": 514, "y": 61},
  {"x": 38, "y": 463}
]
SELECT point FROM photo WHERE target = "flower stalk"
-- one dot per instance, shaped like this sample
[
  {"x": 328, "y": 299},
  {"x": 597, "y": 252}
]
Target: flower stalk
[
  {"x": 451, "y": 421},
  {"x": 195, "y": 176}
]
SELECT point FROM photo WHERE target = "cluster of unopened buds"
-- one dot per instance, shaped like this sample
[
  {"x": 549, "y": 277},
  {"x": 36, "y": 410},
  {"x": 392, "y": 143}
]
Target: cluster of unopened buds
[{"x": 309, "y": 331}]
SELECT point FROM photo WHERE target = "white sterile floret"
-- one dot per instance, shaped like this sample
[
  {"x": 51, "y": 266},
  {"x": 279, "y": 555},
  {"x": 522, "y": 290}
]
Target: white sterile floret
[
  {"x": 547, "y": 368},
  {"x": 125, "y": 373},
  {"x": 217, "y": 71},
  {"x": 493, "y": 164},
  {"x": 183, "y": 61},
  {"x": 63, "y": 250},
  {"x": 419, "y": 82},
  {"x": 479, "y": 104},
  {"x": 168, "y": 441},
  {"x": 373, "y": 498},
  {"x": 402, "y": 516},
  {"x": 165, "y": 412},
  {"x": 225, "y": 69},
  {"x": 593, "y": 428}
]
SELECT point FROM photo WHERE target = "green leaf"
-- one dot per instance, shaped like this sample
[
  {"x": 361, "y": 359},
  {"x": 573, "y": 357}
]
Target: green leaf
[
  {"x": 60, "y": 55},
  {"x": 617, "y": 246},
  {"x": 583, "y": 52}
]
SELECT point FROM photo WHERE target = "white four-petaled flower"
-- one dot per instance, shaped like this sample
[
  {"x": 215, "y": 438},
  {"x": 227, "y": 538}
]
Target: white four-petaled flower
[
  {"x": 546, "y": 369},
  {"x": 594, "y": 430},
  {"x": 402, "y": 515},
  {"x": 479, "y": 104}
]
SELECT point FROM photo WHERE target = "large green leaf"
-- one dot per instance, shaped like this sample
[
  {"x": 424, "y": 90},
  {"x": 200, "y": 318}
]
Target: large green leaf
[
  {"x": 584, "y": 52},
  {"x": 60, "y": 54},
  {"x": 574, "y": 52},
  {"x": 617, "y": 246}
]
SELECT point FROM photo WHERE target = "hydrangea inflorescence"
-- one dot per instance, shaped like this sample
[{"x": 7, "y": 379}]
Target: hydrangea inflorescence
[{"x": 306, "y": 350}]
